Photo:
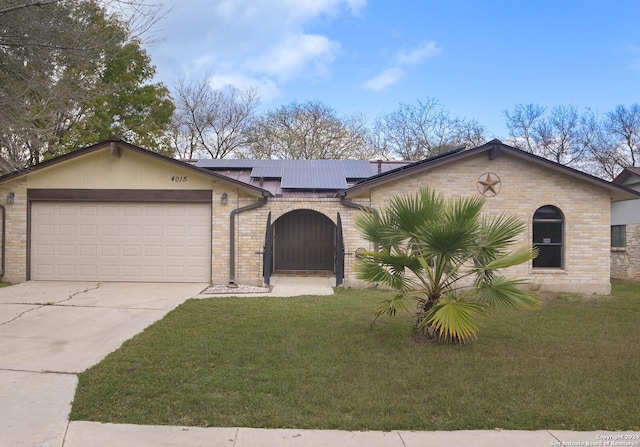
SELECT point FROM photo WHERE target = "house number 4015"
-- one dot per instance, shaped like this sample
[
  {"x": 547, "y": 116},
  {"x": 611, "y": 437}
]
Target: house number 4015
[{"x": 179, "y": 178}]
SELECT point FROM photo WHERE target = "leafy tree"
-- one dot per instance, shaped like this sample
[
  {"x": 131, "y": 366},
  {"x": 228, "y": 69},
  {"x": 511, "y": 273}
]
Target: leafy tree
[
  {"x": 444, "y": 256},
  {"x": 211, "y": 122},
  {"x": 310, "y": 130},
  {"x": 415, "y": 132},
  {"x": 71, "y": 74},
  {"x": 123, "y": 104}
]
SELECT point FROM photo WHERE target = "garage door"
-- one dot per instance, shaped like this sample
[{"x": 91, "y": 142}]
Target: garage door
[{"x": 153, "y": 242}]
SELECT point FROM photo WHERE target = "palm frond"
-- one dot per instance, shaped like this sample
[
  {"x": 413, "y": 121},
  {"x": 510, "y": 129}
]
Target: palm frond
[
  {"x": 516, "y": 257},
  {"x": 502, "y": 293},
  {"x": 399, "y": 302},
  {"x": 455, "y": 320},
  {"x": 495, "y": 235},
  {"x": 501, "y": 230},
  {"x": 427, "y": 245},
  {"x": 384, "y": 268}
]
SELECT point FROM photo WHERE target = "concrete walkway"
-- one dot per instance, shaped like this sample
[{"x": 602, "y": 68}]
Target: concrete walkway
[
  {"x": 50, "y": 331},
  {"x": 297, "y": 286}
]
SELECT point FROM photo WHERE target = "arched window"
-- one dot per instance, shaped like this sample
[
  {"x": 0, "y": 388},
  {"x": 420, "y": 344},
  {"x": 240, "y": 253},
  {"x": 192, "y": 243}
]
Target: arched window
[{"x": 548, "y": 236}]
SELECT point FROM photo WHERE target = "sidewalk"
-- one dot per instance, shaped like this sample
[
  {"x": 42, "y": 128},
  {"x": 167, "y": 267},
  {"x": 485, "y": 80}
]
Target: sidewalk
[{"x": 93, "y": 434}]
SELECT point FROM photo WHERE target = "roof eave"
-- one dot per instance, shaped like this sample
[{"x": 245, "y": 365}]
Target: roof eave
[
  {"x": 494, "y": 149},
  {"x": 254, "y": 190}
]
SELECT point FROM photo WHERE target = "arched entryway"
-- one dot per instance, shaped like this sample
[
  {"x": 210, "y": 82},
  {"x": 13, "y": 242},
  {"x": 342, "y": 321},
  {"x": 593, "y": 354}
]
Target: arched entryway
[{"x": 304, "y": 240}]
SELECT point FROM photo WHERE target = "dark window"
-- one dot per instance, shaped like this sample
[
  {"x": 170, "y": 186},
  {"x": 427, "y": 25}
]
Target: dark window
[
  {"x": 618, "y": 235},
  {"x": 548, "y": 236}
]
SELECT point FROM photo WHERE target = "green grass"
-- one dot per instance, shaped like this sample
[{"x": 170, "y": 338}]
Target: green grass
[{"x": 316, "y": 362}]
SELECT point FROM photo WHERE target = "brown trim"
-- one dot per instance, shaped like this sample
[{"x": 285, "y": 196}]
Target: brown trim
[
  {"x": 494, "y": 148},
  {"x": 120, "y": 144},
  {"x": 120, "y": 195}
]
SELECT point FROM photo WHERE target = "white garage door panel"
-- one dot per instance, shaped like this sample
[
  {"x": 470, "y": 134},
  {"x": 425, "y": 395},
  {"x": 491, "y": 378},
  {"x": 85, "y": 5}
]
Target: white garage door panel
[{"x": 121, "y": 242}]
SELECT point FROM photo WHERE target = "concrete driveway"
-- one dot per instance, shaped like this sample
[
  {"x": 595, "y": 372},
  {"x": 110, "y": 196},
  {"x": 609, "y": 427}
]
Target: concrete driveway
[{"x": 50, "y": 331}]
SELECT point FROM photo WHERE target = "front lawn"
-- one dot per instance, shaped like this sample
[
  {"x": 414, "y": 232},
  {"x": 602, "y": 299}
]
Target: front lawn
[{"x": 316, "y": 362}]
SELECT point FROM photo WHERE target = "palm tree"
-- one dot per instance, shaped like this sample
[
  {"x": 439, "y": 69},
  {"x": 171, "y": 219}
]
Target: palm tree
[{"x": 444, "y": 255}]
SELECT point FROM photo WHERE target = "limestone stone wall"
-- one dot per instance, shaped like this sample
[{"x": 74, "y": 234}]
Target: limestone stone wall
[{"x": 625, "y": 261}]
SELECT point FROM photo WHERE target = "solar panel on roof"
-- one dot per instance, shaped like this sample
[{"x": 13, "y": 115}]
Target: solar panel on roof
[
  {"x": 225, "y": 163},
  {"x": 298, "y": 174},
  {"x": 267, "y": 169},
  {"x": 356, "y": 169},
  {"x": 329, "y": 174}
]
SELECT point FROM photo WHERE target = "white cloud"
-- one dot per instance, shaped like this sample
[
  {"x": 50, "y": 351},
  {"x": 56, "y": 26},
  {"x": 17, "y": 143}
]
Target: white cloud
[
  {"x": 392, "y": 75},
  {"x": 417, "y": 55},
  {"x": 388, "y": 77},
  {"x": 265, "y": 87},
  {"x": 292, "y": 11},
  {"x": 297, "y": 56},
  {"x": 261, "y": 40}
]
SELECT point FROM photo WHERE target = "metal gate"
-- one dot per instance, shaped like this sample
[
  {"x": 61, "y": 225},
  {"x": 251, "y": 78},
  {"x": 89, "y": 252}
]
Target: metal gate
[
  {"x": 339, "y": 252},
  {"x": 304, "y": 240},
  {"x": 267, "y": 252}
]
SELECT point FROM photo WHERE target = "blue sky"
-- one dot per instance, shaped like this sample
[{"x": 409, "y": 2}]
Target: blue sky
[{"x": 477, "y": 58}]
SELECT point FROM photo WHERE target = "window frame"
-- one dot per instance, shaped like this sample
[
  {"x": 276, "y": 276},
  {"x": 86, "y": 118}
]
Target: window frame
[
  {"x": 543, "y": 245},
  {"x": 619, "y": 240}
]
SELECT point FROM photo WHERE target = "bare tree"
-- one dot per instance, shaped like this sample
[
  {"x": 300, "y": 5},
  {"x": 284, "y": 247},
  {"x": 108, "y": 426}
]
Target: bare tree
[
  {"x": 414, "y": 132},
  {"x": 612, "y": 140},
  {"x": 601, "y": 145},
  {"x": 557, "y": 135},
  {"x": 521, "y": 123},
  {"x": 308, "y": 131},
  {"x": 623, "y": 124},
  {"x": 211, "y": 123},
  {"x": 469, "y": 133}
]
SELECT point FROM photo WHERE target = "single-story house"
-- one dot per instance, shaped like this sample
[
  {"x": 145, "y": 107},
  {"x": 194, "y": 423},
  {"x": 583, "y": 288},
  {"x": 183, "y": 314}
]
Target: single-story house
[
  {"x": 625, "y": 229},
  {"x": 117, "y": 212}
]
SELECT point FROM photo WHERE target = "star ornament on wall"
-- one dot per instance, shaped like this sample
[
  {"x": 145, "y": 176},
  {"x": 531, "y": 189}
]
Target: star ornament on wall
[{"x": 489, "y": 184}]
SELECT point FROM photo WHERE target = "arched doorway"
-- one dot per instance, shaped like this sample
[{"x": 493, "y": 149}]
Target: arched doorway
[{"x": 304, "y": 240}]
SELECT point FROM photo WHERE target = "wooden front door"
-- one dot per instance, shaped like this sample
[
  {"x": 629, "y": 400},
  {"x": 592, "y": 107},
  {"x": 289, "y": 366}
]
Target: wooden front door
[{"x": 304, "y": 240}]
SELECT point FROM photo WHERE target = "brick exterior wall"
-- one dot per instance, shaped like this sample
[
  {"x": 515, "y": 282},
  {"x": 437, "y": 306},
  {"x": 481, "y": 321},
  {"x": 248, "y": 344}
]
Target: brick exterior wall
[
  {"x": 15, "y": 231},
  {"x": 251, "y": 227},
  {"x": 523, "y": 188},
  {"x": 625, "y": 261}
]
